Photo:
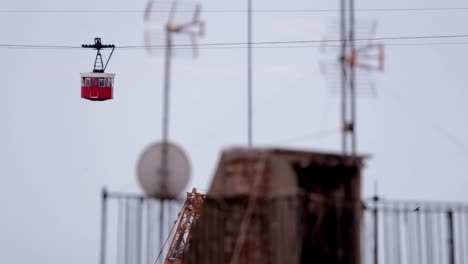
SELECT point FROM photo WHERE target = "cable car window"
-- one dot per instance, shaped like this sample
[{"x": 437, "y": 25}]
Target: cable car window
[
  {"x": 87, "y": 82},
  {"x": 82, "y": 81},
  {"x": 102, "y": 82},
  {"x": 109, "y": 82}
]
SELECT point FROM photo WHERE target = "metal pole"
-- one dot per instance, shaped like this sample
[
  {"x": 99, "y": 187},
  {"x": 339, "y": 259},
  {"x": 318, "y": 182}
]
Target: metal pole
[
  {"x": 439, "y": 236},
  {"x": 161, "y": 226},
  {"x": 120, "y": 232},
  {"x": 352, "y": 78},
  {"x": 249, "y": 74},
  {"x": 149, "y": 232},
  {"x": 127, "y": 234},
  {"x": 398, "y": 239},
  {"x": 386, "y": 235},
  {"x": 409, "y": 236},
  {"x": 166, "y": 102},
  {"x": 103, "y": 226},
  {"x": 419, "y": 238},
  {"x": 450, "y": 238},
  {"x": 461, "y": 237},
  {"x": 139, "y": 222},
  {"x": 344, "y": 140},
  {"x": 429, "y": 238},
  {"x": 376, "y": 232}
]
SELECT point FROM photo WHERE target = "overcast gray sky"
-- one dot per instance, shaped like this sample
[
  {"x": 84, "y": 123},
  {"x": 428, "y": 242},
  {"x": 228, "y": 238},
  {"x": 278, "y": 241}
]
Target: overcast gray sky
[{"x": 58, "y": 150}]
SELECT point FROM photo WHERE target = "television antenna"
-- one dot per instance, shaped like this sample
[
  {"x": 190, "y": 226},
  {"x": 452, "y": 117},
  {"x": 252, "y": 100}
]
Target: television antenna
[
  {"x": 170, "y": 24},
  {"x": 350, "y": 73},
  {"x": 170, "y": 18},
  {"x": 185, "y": 23},
  {"x": 367, "y": 58}
]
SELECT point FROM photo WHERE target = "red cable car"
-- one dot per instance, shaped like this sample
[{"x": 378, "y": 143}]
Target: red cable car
[{"x": 98, "y": 85}]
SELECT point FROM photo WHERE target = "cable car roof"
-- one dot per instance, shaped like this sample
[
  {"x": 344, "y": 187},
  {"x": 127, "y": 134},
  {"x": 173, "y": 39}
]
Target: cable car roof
[{"x": 97, "y": 74}]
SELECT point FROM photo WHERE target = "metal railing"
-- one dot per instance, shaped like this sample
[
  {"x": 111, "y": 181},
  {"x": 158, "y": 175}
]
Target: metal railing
[
  {"x": 134, "y": 228},
  {"x": 294, "y": 229},
  {"x": 410, "y": 232}
]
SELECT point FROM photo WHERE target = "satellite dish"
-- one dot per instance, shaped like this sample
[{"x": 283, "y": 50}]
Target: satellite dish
[{"x": 151, "y": 174}]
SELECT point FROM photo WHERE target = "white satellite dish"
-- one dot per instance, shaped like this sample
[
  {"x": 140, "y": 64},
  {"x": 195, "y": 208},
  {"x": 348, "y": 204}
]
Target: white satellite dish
[{"x": 151, "y": 175}]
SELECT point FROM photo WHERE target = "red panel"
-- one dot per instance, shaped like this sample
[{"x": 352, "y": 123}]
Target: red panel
[{"x": 96, "y": 93}]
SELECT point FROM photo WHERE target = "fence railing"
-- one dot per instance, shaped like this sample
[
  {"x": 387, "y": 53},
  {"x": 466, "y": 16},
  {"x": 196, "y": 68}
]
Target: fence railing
[
  {"x": 135, "y": 228},
  {"x": 415, "y": 233},
  {"x": 292, "y": 229}
]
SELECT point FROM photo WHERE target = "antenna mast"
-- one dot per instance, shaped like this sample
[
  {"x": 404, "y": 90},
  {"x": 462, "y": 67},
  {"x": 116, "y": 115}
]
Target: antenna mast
[
  {"x": 344, "y": 91},
  {"x": 249, "y": 75},
  {"x": 350, "y": 60},
  {"x": 193, "y": 27},
  {"x": 348, "y": 91},
  {"x": 171, "y": 28}
]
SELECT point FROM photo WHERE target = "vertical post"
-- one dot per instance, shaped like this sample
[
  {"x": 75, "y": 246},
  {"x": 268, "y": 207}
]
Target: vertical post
[
  {"x": 398, "y": 239},
  {"x": 439, "y": 235},
  {"x": 149, "y": 231},
  {"x": 386, "y": 236},
  {"x": 166, "y": 102},
  {"x": 461, "y": 236},
  {"x": 103, "y": 226},
  {"x": 419, "y": 238},
  {"x": 161, "y": 226},
  {"x": 139, "y": 221},
  {"x": 344, "y": 140},
  {"x": 429, "y": 238},
  {"x": 376, "y": 232},
  {"x": 127, "y": 233},
  {"x": 451, "y": 246},
  {"x": 352, "y": 77},
  {"x": 249, "y": 74},
  {"x": 409, "y": 236}
]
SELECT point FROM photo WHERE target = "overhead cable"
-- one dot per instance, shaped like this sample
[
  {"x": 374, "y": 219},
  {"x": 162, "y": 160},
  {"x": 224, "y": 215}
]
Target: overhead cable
[
  {"x": 235, "y": 10},
  {"x": 260, "y": 44}
]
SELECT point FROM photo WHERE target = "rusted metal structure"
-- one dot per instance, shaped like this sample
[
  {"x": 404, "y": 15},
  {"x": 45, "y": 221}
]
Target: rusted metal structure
[
  {"x": 186, "y": 219},
  {"x": 280, "y": 206}
]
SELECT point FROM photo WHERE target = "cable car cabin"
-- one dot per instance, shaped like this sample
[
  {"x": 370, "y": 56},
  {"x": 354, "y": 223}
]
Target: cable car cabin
[{"x": 97, "y": 86}]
